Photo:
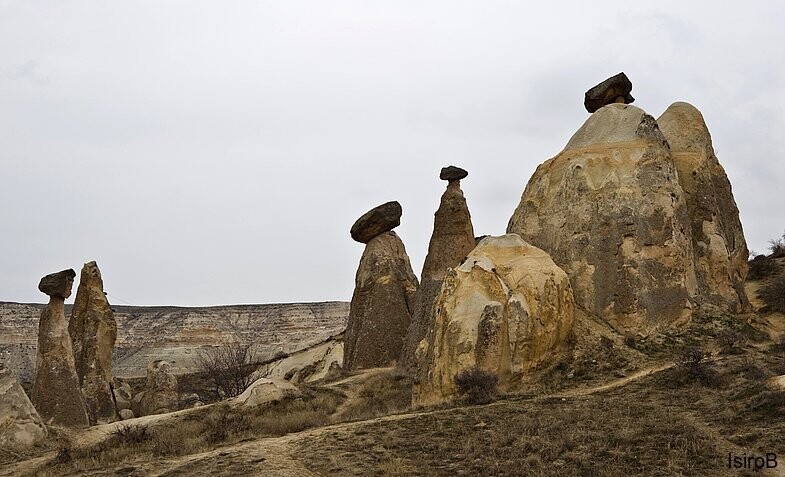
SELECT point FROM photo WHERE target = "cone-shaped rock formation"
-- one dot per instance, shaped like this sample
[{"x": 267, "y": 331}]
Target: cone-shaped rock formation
[
  {"x": 451, "y": 242},
  {"x": 382, "y": 302},
  {"x": 56, "y": 394},
  {"x": 506, "y": 309},
  {"x": 610, "y": 211},
  {"x": 93, "y": 333},
  {"x": 718, "y": 246}
]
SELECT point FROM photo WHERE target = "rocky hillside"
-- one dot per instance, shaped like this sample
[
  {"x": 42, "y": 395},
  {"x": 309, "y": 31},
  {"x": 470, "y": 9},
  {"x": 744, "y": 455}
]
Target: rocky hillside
[{"x": 175, "y": 333}]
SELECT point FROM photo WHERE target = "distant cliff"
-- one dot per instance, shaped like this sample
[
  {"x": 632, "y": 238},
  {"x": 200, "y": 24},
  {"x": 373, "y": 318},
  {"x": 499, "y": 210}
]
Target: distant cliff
[{"x": 175, "y": 333}]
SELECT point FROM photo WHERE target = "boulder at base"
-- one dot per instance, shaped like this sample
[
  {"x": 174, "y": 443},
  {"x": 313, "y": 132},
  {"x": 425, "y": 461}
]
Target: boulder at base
[
  {"x": 506, "y": 309},
  {"x": 265, "y": 390},
  {"x": 20, "y": 424},
  {"x": 610, "y": 211},
  {"x": 160, "y": 394},
  {"x": 718, "y": 246}
]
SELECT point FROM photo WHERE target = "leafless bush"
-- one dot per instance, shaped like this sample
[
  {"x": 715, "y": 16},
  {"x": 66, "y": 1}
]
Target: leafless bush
[
  {"x": 227, "y": 367},
  {"x": 477, "y": 385},
  {"x": 761, "y": 267},
  {"x": 693, "y": 366},
  {"x": 730, "y": 342},
  {"x": 777, "y": 247}
]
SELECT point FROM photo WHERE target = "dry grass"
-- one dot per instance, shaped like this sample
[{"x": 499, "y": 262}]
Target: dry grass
[
  {"x": 379, "y": 395},
  {"x": 649, "y": 427},
  {"x": 217, "y": 426}
]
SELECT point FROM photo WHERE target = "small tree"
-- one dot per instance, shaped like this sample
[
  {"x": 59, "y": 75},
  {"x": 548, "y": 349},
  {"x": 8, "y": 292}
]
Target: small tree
[
  {"x": 228, "y": 368},
  {"x": 477, "y": 385}
]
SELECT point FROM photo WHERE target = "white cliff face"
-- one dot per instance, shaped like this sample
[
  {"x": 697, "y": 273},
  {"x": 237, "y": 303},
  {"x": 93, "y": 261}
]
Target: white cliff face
[
  {"x": 175, "y": 334},
  {"x": 506, "y": 309}
]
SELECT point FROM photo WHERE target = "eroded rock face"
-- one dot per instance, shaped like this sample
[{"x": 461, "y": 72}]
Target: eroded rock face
[
  {"x": 718, "y": 245},
  {"x": 381, "y": 306},
  {"x": 377, "y": 221},
  {"x": 506, "y": 309},
  {"x": 20, "y": 425},
  {"x": 615, "y": 89},
  {"x": 56, "y": 394},
  {"x": 451, "y": 242},
  {"x": 610, "y": 211},
  {"x": 160, "y": 393},
  {"x": 93, "y": 333}
]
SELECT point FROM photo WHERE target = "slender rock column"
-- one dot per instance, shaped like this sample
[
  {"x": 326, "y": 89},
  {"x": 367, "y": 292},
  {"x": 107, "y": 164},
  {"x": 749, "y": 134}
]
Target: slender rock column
[{"x": 56, "y": 395}]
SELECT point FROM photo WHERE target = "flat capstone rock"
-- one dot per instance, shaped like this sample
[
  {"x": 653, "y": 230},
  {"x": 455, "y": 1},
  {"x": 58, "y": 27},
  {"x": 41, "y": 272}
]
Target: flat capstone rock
[
  {"x": 377, "y": 221},
  {"x": 452, "y": 173},
  {"x": 615, "y": 89}
]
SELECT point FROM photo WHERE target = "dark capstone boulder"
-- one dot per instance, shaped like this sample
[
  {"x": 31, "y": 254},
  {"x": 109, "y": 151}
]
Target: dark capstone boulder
[
  {"x": 615, "y": 89},
  {"x": 58, "y": 284},
  {"x": 377, "y": 221},
  {"x": 452, "y": 173}
]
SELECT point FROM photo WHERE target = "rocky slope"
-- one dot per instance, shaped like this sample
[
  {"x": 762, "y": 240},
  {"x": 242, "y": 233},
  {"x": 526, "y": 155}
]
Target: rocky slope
[{"x": 175, "y": 334}]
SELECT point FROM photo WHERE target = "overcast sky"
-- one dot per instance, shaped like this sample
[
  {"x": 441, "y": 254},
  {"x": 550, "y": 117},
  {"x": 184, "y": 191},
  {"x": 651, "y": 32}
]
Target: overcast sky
[{"x": 218, "y": 152}]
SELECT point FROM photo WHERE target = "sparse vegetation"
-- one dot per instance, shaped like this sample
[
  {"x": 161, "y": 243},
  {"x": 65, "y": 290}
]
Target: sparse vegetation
[
  {"x": 228, "y": 368},
  {"x": 693, "y": 365},
  {"x": 477, "y": 386},
  {"x": 381, "y": 394},
  {"x": 773, "y": 294},
  {"x": 761, "y": 267},
  {"x": 731, "y": 342},
  {"x": 777, "y": 247}
]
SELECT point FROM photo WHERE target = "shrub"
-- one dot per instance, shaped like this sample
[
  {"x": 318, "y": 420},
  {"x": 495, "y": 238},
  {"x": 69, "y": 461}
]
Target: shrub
[
  {"x": 761, "y": 267},
  {"x": 477, "y": 386},
  {"x": 127, "y": 435},
  {"x": 777, "y": 247},
  {"x": 228, "y": 368},
  {"x": 693, "y": 366},
  {"x": 730, "y": 342},
  {"x": 773, "y": 294}
]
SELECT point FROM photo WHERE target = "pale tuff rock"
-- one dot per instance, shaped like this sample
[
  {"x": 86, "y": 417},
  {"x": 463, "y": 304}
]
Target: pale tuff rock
[
  {"x": 718, "y": 246},
  {"x": 451, "y": 242},
  {"x": 377, "y": 221},
  {"x": 615, "y": 89},
  {"x": 160, "y": 393},
  {"x": 56, "y": 394},
  {"x": 610, "y": 211},
  {"x": 506, "y": 309},
  {"x": 305, "y": 366},
  {"x": 93, "y": 333},
  {"x": 123, "y": 394},
  {"x": 20, "y": 424},
  {"x": 265, "y": 390},
  {"x": 381, "y": 306}
]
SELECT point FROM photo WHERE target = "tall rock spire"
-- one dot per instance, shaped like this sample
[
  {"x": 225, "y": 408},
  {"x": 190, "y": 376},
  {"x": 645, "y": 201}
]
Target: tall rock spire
[
  {"x": 451, "y": 242},
  {"x": 93, "y": 331},
  {"x": 56, "y": 394},
  {"x": 383, "y": 297}
]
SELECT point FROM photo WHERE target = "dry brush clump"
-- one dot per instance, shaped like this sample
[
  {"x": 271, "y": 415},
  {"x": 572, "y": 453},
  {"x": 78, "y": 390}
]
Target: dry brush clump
[
  {"x": 477, "y": 386},
  {"x": 773, "y": 294},
  {"x": 694, "y": 365}
]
